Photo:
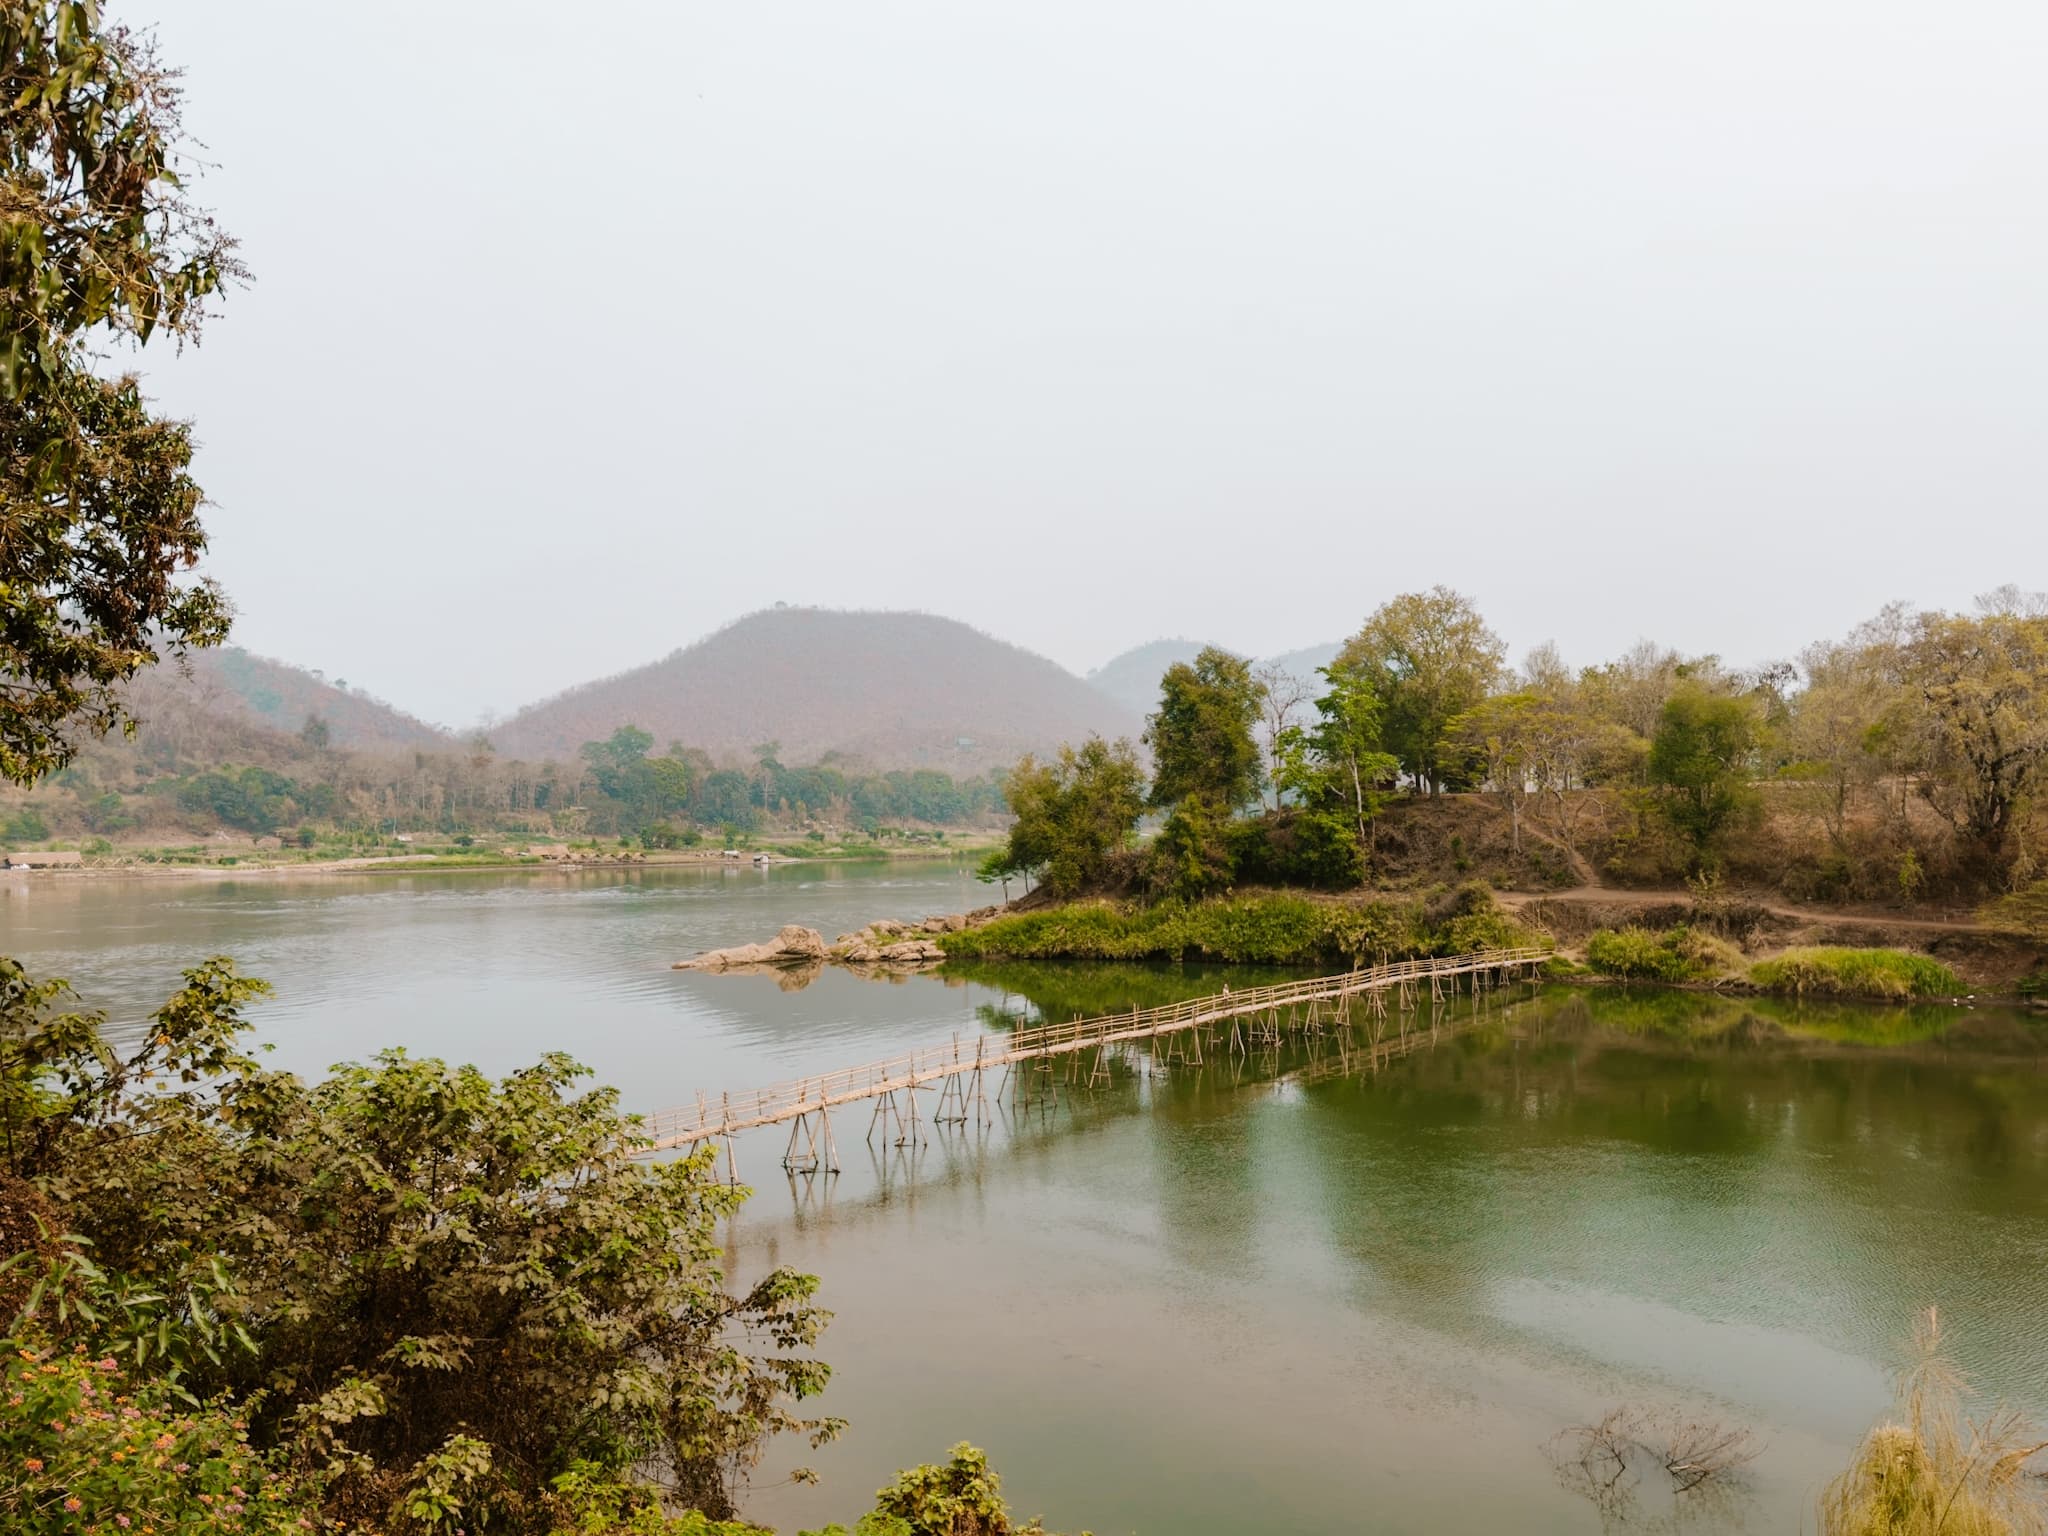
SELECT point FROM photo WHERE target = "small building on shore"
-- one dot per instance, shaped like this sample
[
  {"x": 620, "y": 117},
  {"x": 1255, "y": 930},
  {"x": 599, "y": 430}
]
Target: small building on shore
[{"x": 64, "y": 860}]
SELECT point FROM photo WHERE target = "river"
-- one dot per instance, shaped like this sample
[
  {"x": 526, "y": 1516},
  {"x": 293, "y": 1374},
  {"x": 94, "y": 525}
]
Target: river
[{"x": 1276, "y": 1294}]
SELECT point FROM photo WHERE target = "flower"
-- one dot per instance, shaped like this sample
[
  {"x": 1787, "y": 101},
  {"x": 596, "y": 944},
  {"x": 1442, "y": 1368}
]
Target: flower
[
  {"x": 35, "y": 1464},
  {"x": 73, "y": 1505},
  {"x": 165, "y": 1442},
  {"x": 121, "y": 1521}
]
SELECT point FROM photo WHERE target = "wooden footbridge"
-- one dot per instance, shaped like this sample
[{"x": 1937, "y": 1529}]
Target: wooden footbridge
[{"x": 960, "y": 1069}]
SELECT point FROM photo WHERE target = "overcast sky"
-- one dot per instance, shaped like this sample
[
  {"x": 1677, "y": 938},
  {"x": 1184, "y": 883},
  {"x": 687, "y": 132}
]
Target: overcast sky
[{"x": 578, "y": 332}]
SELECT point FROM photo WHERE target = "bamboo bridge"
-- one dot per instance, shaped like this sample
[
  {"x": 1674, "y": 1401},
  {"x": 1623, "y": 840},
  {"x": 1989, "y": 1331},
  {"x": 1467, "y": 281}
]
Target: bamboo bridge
[{"x": 960, "y": 1069}]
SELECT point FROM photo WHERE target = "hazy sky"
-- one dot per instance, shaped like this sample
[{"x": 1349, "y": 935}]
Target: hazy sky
[{"x": 580, "y": 331}]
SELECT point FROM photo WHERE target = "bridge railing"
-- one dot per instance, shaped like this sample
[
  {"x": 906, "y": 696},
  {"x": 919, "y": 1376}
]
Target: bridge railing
[{"x": 782, "y": 1101}]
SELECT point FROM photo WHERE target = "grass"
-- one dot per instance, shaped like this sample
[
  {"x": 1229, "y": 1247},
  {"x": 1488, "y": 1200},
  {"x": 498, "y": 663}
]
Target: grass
[
  {"x": 1893, "y": 974},
  {"x": 1273, "y": 929},
  {"x": 1674, "y": 955},
  {"x": 1931, "y": 1469}
]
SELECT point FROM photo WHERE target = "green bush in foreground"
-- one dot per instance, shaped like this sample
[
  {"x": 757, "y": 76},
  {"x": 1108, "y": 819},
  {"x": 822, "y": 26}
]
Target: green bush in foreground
[
  {"x": 1275, "y": 929},
  {"x": 1642, "y": 954},
  {"x": 85, "y": 1448},
  {"x": 1888, "y": 973}
]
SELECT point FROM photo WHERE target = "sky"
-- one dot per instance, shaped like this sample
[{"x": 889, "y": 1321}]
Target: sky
[{"x": 578, "y": 332}]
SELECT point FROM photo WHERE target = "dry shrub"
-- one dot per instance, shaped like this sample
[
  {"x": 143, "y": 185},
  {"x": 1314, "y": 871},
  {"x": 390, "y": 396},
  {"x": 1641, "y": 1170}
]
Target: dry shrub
[
  {"x": 1700, "y": 1460},
  {"x": 1933, "y": 1469}
]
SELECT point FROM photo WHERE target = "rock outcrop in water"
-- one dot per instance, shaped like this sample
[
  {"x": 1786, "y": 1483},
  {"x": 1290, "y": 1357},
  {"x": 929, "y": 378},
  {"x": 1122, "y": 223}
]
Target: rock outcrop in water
[{"x": 797, "y": 954}]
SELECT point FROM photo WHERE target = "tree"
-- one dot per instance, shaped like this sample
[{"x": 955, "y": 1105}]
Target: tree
[
  {"x": 1072, "y": 815},
  {"x": 1977, "y": 716},
  {"x": 433, "y": 1291},
  {"x": 1201, "y": 738},
  {"x": 1335, "y": 769},
  {"x": 1499, "y": 735},
  {"x": 1533, "y": 745},
  {"x": 315, "y": 733},
  {"x": 98, "y": 241},
  {"x": 1281, "y": 696},
  {"x": 1428, "y": 657},
  {"x": 1700, "y": 756}
]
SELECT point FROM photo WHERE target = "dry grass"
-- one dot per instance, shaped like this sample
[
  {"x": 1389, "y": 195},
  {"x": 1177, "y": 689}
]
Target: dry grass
[{"x": 1932, "y": 1469}]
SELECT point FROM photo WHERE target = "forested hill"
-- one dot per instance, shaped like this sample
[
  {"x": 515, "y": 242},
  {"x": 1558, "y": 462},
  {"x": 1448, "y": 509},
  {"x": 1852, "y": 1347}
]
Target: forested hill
[
  {"x": 232, "y": 682},
  {"x": 891, "y": 690}
]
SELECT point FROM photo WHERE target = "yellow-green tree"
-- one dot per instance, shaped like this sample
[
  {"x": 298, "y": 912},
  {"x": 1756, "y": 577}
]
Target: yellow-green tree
[{"x": 1428, "y": 657}]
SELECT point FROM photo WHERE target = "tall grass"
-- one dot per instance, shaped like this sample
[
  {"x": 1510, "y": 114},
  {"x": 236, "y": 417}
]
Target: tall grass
[
  {"x": 1272, "y": 929},
  {"x": 1885, "y": 973},
  {"x": 1643, "y": 954},
  {"x": 1933, "y": 1470}
]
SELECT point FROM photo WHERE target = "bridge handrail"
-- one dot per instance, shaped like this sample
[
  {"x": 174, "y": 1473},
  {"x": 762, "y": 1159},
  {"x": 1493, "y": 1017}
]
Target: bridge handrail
[{"x": 712, "y": 1116}]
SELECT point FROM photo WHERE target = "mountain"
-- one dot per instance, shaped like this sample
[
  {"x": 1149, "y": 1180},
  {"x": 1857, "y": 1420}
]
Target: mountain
[
  {"x": 890, "y": 690},
  {"x": 1303, "y": 663},
  {"x": 1132, "y": 679},
  {"x": 276, "y": 694}
]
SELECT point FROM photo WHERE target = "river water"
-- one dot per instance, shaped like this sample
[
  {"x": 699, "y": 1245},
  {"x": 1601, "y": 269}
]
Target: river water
[{"x": 1275, "y": 1293}]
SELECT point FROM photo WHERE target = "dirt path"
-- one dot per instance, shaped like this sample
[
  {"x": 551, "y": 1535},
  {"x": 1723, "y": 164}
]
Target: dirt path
[{"x": 1681, "y": 897}]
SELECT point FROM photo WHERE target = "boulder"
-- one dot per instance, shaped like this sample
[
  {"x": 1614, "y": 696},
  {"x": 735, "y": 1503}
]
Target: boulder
[
  {"x": 912, "y": 952},
  {"x": 793, "y": 946},
  {"x": 889, "y": 926}
]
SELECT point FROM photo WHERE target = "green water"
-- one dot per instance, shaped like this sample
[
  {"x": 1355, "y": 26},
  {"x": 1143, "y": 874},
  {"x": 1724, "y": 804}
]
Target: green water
[{"x": 1291, "y": 1291}]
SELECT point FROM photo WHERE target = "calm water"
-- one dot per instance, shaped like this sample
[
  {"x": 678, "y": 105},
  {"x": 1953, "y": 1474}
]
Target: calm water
[{"x": 1281, "y": 1294}]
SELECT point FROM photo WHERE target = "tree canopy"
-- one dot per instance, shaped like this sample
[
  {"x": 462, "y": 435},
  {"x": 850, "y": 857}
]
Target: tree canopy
[
  {"x": 99, "y": 243},
  {"x": 1428, "y": 657}
]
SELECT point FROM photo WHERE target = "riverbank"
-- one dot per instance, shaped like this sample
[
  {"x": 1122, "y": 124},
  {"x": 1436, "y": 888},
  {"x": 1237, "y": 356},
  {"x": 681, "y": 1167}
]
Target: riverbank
[{"x": 1725, "y": 945}]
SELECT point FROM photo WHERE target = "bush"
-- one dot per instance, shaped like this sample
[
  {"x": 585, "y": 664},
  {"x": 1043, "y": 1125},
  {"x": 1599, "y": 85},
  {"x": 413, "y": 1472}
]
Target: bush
[
  {"x": 1642, "y": 954},
  {"x": 1883, "y": 973},
  {"x": 1274, "y": 929},
  {"x": 435, "y": 1291},
  {"x": 83, "y": 1447}
]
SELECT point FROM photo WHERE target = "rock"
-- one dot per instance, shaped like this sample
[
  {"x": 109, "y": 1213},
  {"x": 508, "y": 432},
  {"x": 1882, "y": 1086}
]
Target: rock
[
  {"x": 793, "y": 946},
  {"x": 889, "y": 926},
  {"x": 801, "y": 943},
  {"x": 912, "y": 952},
  {"x": 982, "y": 915},
  {"x": 952, "y": 922},
  {"x": 860, "y": 953}
]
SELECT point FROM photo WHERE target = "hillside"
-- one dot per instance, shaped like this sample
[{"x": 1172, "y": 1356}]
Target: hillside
[
  {"x": 281, "y": 696},
  {"x": 889, "y": 690},
  {"x": 1132, "y": 678}
]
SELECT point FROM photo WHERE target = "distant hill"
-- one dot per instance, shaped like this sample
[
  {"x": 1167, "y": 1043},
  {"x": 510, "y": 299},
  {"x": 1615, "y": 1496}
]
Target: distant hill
[
  {"x": 889, "y": 690},
  {"x": 278, "y": 695},
  {"x": 1132, "y": 679}
]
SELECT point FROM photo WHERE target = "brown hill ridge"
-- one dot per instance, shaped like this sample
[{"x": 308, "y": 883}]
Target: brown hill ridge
[{"x": 888, "y": 690}]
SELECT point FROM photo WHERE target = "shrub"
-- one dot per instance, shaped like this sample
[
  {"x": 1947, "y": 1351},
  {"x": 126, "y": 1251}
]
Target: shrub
[
  {"x": 1642, "y": 954},
  {"x": 1885, "y": 973},
  {"x": 83, "y": 1447}
]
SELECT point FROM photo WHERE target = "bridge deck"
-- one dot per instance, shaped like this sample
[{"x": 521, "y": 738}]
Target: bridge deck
[{"x": 729, "y": 1113}]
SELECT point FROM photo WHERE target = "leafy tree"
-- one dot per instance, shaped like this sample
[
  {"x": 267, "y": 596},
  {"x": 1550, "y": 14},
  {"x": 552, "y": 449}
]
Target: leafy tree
[
  {"x": 98, "y": 241},
  {"x": 1427, "y": 657},
  {"x": 315, "y": 733},
  {"x": 1700, "y": 756},
  {"x": 1335, "y": 769},
  {"x": 1202, "y": 736},
  {"x": 1977, "y": 717},
  {"x": 434, "y": 1291},
  {"x": 1073, "y": 814},
  {"x": 620, "y": 751}
]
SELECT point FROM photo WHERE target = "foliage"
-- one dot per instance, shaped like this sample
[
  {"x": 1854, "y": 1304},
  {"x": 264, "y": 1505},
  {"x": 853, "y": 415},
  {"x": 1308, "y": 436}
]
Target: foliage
[
  {"x": 588, "y": 1500},
  {"x": 2024, "y": 912},
  {"x": 1072, "y": 815},
  {"x": 1275, "y": 928},
  {"x": 1201, "y": 738},
  {"x": 1427, "y": 657},
  {"x": 1977, "y": 713},
  {"x": 1642, "y": 954},
  {"x": 1933, "y": 1469},
  {"x": 1699, "y": 755},
  {"x": 98, "y": 239},
  {"x": 1334, "y": 770},
  {"x": 86, "y": 1446},
  {"x": 435, "y": 1291},
  {"x": 1885, "y": 973}
]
